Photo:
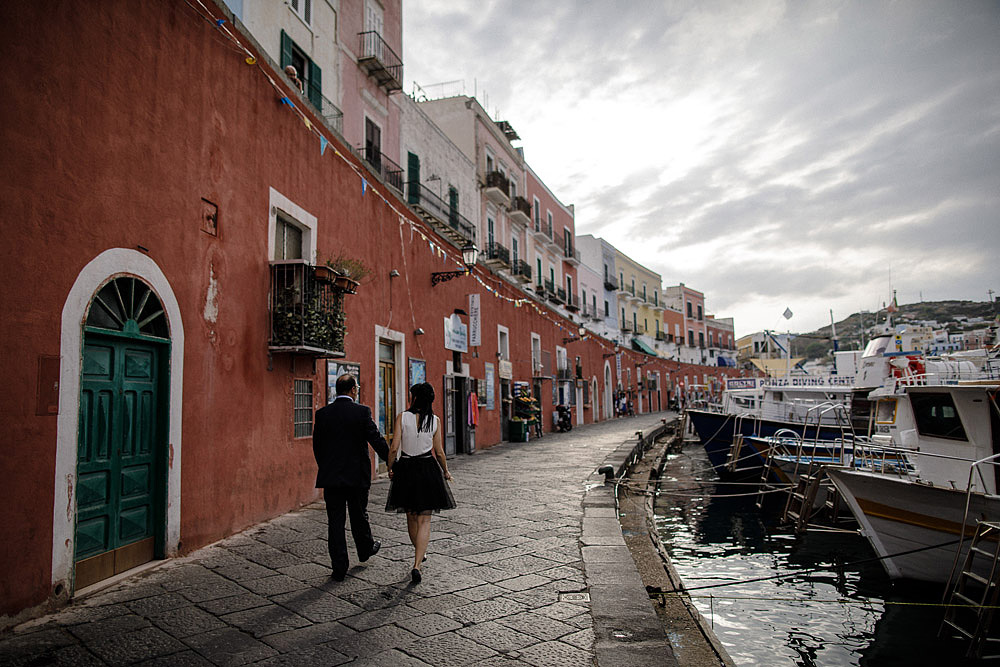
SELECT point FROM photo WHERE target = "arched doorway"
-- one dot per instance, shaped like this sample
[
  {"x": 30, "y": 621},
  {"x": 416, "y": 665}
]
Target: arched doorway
[
  {"x": 122, "y": 446},
  {"x": 608, "y": 410}
]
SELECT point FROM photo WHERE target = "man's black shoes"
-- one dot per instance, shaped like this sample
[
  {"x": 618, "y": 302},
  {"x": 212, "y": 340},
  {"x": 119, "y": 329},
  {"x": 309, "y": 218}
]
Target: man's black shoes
[
  {"x": 375, "y": 547},
  {"x": 338, "y": 576}
]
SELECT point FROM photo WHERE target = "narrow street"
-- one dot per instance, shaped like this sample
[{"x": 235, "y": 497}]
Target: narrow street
[{"x": 529, "y": 569}]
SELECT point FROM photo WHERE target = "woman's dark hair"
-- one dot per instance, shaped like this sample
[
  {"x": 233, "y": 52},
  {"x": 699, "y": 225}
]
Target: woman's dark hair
[{"x": 422, "y": 405}]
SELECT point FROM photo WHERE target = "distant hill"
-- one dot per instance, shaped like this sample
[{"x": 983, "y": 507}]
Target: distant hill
[{"x": 817, "y": 344}]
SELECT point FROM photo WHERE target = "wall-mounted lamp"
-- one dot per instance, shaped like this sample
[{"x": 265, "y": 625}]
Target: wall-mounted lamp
[
  {"x": 580, "y": 333},
  {"x": 470, "y": 254},
  {"x": 418, "y": 332},
  {"x": 394, "y": 273}
]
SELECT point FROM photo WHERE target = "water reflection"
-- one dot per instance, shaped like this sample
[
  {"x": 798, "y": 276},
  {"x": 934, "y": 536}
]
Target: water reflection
[{"x": 842, "y": 608}]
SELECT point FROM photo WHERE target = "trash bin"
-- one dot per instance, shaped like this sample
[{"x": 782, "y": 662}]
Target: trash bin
[{"x": 518, "y": 431}]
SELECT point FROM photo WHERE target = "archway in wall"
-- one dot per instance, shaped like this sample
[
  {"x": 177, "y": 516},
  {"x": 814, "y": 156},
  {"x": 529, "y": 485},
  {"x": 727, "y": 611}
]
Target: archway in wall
[
  {"x": 123, "y": 446},
  {"x": 608, "y": 412},
  {"x": 111, "y": 264}
]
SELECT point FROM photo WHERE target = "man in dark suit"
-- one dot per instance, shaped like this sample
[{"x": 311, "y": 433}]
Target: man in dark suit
[{"x": 341, "y": 435}]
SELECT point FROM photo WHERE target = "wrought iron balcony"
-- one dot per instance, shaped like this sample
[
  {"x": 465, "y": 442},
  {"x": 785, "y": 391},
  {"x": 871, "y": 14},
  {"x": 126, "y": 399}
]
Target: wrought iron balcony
[
  {"x": 497, "y": 255},
  {"x": 520, "y": 211},
  {"x": 442, "y": 217},
  {"x": 560, "y": 295},
  {"x": 611, "y": 283},
  {"x": 380, "y": 61},
  {"x": 390, "y": 172},
  {"x": 664, "y": 336},
  {"x": 572, "y": 255},
  {"x": 306, "y": 314},
  {"x": 497, "y": 188},
  {"x": 332, "y": 115},
  {"x": 550, "y": 289},
  {"x": 572, "y": 302},
  {"x": 627, "y": 326},
  {"x": 564, "y": 374},
  {"x": 522, "y": 271}
]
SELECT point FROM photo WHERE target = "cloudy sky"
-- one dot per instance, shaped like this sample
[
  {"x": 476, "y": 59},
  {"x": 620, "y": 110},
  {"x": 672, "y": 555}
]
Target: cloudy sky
[{"x": 808, "y": 155}]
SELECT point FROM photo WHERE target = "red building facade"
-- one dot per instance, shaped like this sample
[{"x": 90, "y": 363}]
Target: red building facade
[{"x": 148, "y": 210}]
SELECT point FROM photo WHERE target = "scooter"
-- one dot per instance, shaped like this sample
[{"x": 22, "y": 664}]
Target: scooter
[{"x": 564, "y": 419}]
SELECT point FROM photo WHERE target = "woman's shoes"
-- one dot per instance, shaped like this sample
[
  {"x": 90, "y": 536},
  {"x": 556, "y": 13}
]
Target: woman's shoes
[{"x": 415, "y": 576}]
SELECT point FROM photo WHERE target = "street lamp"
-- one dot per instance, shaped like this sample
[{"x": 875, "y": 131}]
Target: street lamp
[{"x": 470, "y": 254}]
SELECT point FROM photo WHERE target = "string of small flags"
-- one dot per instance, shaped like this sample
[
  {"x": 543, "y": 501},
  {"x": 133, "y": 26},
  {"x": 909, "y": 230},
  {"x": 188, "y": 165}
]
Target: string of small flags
[{"x": 436, "y": 248}]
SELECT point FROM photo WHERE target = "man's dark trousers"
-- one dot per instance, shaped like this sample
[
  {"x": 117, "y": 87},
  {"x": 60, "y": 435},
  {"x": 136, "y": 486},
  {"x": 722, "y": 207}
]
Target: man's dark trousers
[
  {"x": 355, "y": 500},
  {"x": 342, "y": 432}
]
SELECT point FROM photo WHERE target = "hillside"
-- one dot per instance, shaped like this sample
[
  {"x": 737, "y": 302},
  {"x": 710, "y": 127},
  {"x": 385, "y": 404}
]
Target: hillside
[{"x": 817, "y": 344}]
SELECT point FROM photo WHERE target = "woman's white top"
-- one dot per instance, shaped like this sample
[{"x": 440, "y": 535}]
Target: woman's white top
[{"x": 412, "y": 441}]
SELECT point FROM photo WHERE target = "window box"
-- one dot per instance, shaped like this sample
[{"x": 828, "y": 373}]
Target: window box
[{"x": 306, "y": 314}]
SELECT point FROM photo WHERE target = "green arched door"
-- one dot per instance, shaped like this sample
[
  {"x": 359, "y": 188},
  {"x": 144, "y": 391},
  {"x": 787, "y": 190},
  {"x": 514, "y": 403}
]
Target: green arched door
[{"x": 121, "y": 455}]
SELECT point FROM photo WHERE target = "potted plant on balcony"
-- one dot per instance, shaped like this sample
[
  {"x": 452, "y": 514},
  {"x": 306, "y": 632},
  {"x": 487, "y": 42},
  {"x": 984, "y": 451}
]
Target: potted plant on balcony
[{"x": 349, "y": 272}]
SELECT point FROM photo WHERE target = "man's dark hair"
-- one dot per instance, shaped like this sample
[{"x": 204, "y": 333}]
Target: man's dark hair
[{"x": 345, "y": 384}]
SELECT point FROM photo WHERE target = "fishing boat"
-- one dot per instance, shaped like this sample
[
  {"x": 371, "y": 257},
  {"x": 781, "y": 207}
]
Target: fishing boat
[{"x": 918, "y": 522}]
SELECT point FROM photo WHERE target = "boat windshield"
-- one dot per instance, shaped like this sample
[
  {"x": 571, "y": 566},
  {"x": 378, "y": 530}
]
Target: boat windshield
[
  {"x": 876, "y": 346},
  {"x": 936, "y": 415}
]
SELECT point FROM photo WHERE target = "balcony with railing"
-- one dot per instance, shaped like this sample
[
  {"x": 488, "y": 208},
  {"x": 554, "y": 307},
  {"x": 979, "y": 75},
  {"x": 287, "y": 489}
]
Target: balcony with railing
[
  {"x": 520, "y": 211},
  {"x": 611, "y": 283},
  {"x": 571, "y": 255},
  {"x": 664, "y": 336},
  {"x": 305, "y": 312},
  {"x": 560, "y": 295},
  {"x": 572, "y": 302},
  {"x": 380, "y": 62},
  {"x": 497, "y": 255},
  {"x": 522, "y": 271},
  {"x": 564, "y": 374},
  {"x": 332, "y": 115},
  {"x": 627, "y": 327},
  {"x": 497, "y": 188},
  {"x": 550, "y": 289},
  {"x": 439, "y": 215},
  {"x": 390, "y": 172}
]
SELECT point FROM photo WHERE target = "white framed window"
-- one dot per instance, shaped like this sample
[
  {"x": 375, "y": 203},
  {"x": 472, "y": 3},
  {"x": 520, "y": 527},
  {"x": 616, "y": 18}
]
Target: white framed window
[
  {"x": 536, "y": 354},
  {"x": 503, "y": 343},
  {"x": 288, "y": 225},
  {"x": 303, "y": 8}
]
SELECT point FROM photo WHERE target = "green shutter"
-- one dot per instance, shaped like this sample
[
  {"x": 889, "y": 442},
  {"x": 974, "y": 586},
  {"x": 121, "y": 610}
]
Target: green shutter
[
  {"x": 452, "y": 205},
  {"x": 315, "y": 84},
  {"x": 413, "y": 178},
  {"x": 286, "y": 50}
]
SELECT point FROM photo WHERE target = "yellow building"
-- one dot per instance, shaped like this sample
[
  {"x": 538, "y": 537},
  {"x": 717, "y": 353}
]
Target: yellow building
[{"x": 640, "y": 300}]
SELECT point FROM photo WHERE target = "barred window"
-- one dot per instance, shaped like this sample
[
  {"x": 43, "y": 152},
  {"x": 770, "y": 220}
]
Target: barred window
[{"x": 302, "y": 415}]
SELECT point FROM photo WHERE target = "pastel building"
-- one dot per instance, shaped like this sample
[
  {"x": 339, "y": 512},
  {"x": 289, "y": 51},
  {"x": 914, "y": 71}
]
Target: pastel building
[{"x": 600, "y": 255}]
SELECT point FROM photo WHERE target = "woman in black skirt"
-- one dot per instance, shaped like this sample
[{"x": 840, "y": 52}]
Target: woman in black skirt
[{"x": 419, "y": 474}]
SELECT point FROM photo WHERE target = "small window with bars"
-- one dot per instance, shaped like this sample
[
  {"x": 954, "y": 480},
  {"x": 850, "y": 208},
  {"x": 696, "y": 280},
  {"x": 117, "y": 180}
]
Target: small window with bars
[{"x": 302, "y": 415}]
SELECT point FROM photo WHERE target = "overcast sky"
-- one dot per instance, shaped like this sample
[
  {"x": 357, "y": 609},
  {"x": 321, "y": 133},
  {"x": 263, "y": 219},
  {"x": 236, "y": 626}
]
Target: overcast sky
[{"x": 805, "y": 155}]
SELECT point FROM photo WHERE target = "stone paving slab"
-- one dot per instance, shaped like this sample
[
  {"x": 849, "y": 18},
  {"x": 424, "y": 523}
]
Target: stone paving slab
[{"x": 530, "y": 569}]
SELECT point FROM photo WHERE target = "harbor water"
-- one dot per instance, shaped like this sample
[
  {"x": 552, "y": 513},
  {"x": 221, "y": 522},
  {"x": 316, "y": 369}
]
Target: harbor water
[{"x": 838, "y": 607}]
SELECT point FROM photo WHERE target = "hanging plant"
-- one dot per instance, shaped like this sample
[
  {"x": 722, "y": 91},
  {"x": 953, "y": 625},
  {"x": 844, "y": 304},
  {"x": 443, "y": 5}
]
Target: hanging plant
[{"x": 350, "y": 272}]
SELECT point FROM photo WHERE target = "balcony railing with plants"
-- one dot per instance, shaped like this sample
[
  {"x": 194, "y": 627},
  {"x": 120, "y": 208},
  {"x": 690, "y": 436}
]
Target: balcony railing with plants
[
  {"x": 390, "y": 172},
  {"x": 420, "y": 196},
  {"x": 497, "y": 253},
  {"x": 306, "y": 310},
  {"x": 380, "y": 61},
  {"x": 520, "y": 210}
]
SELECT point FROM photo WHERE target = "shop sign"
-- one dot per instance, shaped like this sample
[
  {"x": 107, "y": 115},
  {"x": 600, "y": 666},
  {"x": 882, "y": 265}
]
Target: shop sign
[
  {"x": 490, "y": 390},
  {"x": 456, "y": 334},
  {"x": 475, "y": 322},
  {"x": 505, "y": 369},
  {"x": 618, "y": 366}
]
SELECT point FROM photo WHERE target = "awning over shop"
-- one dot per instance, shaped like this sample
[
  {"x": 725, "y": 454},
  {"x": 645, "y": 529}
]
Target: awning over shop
[{"x": 637, "y": 344}]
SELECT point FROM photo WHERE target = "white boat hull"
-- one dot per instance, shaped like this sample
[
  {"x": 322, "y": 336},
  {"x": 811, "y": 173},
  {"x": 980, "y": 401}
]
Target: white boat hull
[{"x": 900, "y": 516}]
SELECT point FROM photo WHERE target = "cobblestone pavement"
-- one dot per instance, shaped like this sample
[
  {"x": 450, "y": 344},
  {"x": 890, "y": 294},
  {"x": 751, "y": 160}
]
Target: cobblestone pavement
[{"x": 504, "y": 582}]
